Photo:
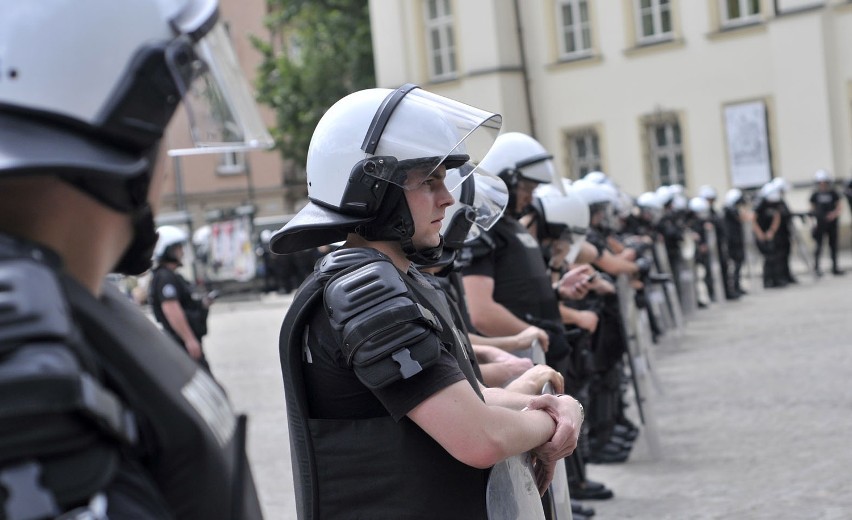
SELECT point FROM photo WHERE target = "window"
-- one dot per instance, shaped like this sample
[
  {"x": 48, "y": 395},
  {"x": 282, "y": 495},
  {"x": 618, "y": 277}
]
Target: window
[
  {"x": 666, "y": 153},
  {"x": 231, "y": 163},
  {"x": 440, "y": 42},
  {"x": 583, "y": 153},
  {"x": 738, "y": 12},
  {"x": 575, "y": 36},
  {"x": 653, "y": 20}
]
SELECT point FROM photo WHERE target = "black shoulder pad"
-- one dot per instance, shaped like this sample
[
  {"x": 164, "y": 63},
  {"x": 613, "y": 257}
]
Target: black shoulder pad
[
  {"x": 352, "y": 292},
  {"x": 31, "y": 304},
  {"x": 345, "y": 258},
  {"x": 385, "y": 335}
]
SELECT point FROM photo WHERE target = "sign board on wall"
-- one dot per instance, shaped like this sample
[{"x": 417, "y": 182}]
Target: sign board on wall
[{"x": 748, "y": 144}]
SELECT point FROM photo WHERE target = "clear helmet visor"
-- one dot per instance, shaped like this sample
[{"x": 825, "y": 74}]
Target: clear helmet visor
[
  {"x": 223, "y": 116},
  {"x": 490, "y": 199},
  {"x": 421, "y": 131},
  {"x": 480, "y": 199}
]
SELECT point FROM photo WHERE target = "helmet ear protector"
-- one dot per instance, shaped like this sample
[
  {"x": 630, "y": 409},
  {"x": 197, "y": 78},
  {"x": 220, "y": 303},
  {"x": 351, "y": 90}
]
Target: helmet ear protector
[{"x": 462, "y": 221}]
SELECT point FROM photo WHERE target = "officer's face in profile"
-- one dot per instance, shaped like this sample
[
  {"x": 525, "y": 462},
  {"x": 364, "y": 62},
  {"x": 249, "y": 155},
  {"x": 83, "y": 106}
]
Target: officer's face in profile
[
  {"x": 523, "y": 194},
  {"x": 427, "y": 203}
]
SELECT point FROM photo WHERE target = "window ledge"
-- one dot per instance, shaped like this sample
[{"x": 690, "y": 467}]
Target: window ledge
[
  {"x": 444, "y": 79},
  {"x": 227, "y": 170},
  {"x": 738, "y": 29},
  {"x": 577, "y": 61},
  {"x": 653, "y": 46}
]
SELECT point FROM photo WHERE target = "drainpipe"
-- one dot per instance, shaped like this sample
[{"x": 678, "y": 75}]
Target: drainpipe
[{"x": 524, "y": 74}]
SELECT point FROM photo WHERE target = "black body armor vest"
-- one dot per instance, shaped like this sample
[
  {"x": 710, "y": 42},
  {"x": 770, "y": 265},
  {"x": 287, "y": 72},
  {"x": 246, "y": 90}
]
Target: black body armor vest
[
  {"x": 372, "y": 468},
  {"x": 151, "y": 400},
  {"x": 521, "y": 281}
]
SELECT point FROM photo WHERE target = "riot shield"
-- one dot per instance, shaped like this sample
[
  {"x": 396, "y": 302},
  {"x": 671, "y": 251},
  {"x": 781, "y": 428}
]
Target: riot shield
[
  {"x": 534, "y": 353},
  {"x": 715, "y": 267},
  {"x": 639, "y": 361},
  {"x": 512, "y": 493}
]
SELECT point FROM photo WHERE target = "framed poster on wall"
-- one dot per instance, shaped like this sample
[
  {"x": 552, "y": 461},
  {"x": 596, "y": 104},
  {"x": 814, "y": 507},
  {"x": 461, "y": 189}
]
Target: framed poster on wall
[{"x": 748, "y": 144}]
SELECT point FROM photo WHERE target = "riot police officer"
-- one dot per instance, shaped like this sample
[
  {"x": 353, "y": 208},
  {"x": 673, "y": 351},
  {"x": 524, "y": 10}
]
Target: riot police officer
[
  {"x": 825, "y": 206},
  {"x": 102, "y": 417},
  {"x": 766, "y": 225},
  {"x": 378, "y": 380},
  {"x": 506, "y": 282},
  {"x": 735, "y": 235},
  {"x": 176, "y": 304}
]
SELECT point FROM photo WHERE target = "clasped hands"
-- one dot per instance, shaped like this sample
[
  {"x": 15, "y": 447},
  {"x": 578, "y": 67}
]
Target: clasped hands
[{"x": 568, "y": 414}]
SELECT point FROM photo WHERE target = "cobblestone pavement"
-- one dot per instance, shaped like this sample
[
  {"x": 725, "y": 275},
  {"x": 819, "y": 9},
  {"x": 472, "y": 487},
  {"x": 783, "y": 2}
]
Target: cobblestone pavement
[{"x": 753, "y": 409}]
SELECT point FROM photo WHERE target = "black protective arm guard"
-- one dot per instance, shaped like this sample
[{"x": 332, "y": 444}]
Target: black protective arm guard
[{"x": 385, "y": 335}]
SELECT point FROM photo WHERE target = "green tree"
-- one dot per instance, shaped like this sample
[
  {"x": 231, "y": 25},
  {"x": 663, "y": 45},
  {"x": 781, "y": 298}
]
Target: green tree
[{"x": 319, "y": 51}]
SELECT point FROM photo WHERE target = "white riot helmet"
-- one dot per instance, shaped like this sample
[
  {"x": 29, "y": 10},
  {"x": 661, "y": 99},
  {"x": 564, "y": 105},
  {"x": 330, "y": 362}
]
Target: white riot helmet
[
  {"x": 597, "y": 177},
  {"x": 733, "y": 197},
  {"x": 479, "y": 203},
  {"x": 88, "y": 89},
  {"x": 601, "y": 198},
  {"x": 771, "y": 192},
  {"x": 516, "y": 156},
  {"x": 680, "y": 202},
  {"x": 371, "y": 146},
  {"x": 168, "y": 236},
  {"x": 781, "y": 183},
  {"x": 822, "y": 175},
  {"x": 650, "y": 205},
  {"x": 103, "y": 113},
  {"x": 479, "y": 200},
  {"x": 564, "y": 217},
  {"x": 707, "y": 192},
  {"x": 665, "y": 195},
  {"x": 700, "y": 207}
]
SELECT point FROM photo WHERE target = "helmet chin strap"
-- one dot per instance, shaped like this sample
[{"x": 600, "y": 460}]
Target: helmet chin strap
[
  {"x": 137, "y": 257},
  {"x": 424, "y": 257},
  {"x": 394, "y": 223}
]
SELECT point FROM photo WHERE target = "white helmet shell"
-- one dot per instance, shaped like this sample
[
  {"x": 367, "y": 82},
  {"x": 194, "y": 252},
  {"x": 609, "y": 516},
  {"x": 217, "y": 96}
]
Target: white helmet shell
[
  {"x": 518, "y": 152},
  {"x": 168, "y": 236},
  {"x": 649, "y": 200},
  {"x": 733, "y": 197},
  {"x": 781, "y": 184},
  {"x": 707, "y": 192},
  {"x": 699, "y": 206},
  {"x": 73, "y": 78},
  {"x": 822, "y": 175},
  {"x": 664, "y": 194},
  {"x": 596, "y": 193},
  {"x": 570, "y": 214},
  {"x": 596, "y": 177}
]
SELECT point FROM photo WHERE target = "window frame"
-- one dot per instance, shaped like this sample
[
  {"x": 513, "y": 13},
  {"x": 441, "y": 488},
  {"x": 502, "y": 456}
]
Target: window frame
[
  {"x": 444, "y": 24},
  {"x": 657, "y": 20},
  {"x": 231, "y": 163},
  {"x": 670, "y": 150},
  {"x": 578, "y": 26},
  {"x": 591, "y": 162},
  {"x": 725, "y": 20}
]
